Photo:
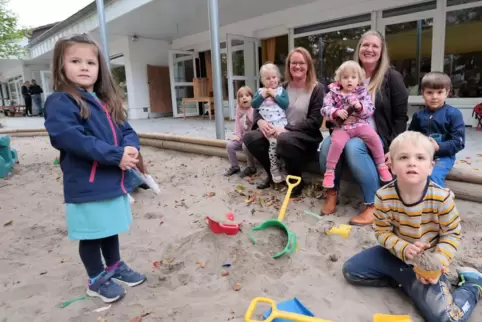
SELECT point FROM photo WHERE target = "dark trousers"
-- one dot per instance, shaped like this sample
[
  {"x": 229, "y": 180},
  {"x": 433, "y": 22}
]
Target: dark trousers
[
  {"x": 90, "y": 253},
  {"x": 28, "y": 104},
  {"x": 294, "y": 148}
]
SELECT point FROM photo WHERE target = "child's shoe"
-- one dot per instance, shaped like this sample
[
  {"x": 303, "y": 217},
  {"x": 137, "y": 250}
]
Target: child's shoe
[
  {"x": 329, "y": 179},
  {"x": 123, "y": 274},
  {"x": 277, "y": 175},
  {"x": 231, "y": 171},
  {"x": 247, "y": 172},
  {"x": 384, "y": 173},
  {"x": 470, "y": 275},
  {"x": 106, "y": 289}
]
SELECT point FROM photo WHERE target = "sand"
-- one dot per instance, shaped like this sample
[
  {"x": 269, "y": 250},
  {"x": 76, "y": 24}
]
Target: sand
[
  {"x": 428, "y": 262},
  {"x": 191, "y": 272}
]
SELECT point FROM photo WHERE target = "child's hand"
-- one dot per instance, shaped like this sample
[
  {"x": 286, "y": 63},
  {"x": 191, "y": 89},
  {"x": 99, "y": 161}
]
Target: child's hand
[
  {"x": 413, "y": 250},
  {"x": 236, "y": 139},
  {"x": 430, "y": 280},
  {"x": 128, "y": 161},
  {"x": 264, "y": 92},
  {"x": 435, "y": 144},
  {"x": 343, "y": 114},
  {"x": 272, "y": 92},
  {"x": 132, "y": 151},
  {"x": 357, "y": 105}
]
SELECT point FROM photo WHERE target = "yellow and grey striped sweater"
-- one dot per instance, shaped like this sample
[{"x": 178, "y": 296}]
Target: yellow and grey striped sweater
[{"x": 433, "y": 220}]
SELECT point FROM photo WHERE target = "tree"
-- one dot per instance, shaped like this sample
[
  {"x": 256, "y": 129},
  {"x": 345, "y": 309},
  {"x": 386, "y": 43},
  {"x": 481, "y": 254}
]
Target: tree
[{"x": 10, "y": 33}]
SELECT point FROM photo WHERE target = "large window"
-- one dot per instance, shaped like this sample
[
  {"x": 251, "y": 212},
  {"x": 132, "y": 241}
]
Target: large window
[
  {"x": 329, "y": 50},
  {"x": 410, "y": 50},
  {"x": 463, "y": 51}
]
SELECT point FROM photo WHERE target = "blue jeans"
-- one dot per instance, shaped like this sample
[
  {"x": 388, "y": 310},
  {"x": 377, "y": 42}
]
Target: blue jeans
[
  {"x": 442, "y": 167},
  {"x": 37, "y": 100},
  {"x": 376, "y": 266},
  {"x": 360, "y": 163}
]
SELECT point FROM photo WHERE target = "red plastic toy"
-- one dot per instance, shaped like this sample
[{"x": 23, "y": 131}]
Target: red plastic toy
[{"x": 219, "y": 228}]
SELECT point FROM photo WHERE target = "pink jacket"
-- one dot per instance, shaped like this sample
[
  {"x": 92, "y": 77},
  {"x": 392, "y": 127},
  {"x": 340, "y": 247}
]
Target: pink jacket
[
  {"x": 241, "y": 124},
  {"x": 334, "y": 100}
]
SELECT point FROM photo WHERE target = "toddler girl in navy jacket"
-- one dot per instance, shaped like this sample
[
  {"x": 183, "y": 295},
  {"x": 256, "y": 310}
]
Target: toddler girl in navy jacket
[{"x": 86, "y": 122}]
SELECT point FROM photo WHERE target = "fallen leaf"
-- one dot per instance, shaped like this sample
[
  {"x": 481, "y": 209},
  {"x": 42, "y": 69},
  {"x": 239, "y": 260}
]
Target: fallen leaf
[
  {"x": 224, "y": 273},
  {"x": 170, "y": 259},
  {"x": 250, "y": 180},
  {"x": 211, "y": 194},
  {"x": 8, "y": 223},
  {"x": 240, "y": 188},
  {"x": 145, "y": 314},
  {"x": 198, "y": 262},
  {"x": 260, "y": 202},
  {"x": 99, "y": 319},
  {"x": 65, "y": 260},
  {"x": 157, "y": 264},
  {"x": 137, "y": 319},
  {"x": 237, "y": 287},
  {"x": 251, "y": 199},
  {"x": 43, "y": 272},
  {"x": 161, "y": 223},
  {"x": 101, "y": 309}
]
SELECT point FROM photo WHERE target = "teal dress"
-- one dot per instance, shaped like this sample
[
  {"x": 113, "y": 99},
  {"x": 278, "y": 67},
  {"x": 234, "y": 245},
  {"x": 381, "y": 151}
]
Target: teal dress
[{"x": 98, "y": 219}]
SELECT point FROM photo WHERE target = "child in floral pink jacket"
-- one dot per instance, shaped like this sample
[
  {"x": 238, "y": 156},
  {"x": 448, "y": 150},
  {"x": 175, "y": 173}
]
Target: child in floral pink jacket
[
  {"x": 349, "y": 105},
  {"x": 243, "y": 122}
]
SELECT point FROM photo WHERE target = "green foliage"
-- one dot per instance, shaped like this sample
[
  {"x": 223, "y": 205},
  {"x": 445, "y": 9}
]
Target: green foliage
[{"x": 10, "y": 33}]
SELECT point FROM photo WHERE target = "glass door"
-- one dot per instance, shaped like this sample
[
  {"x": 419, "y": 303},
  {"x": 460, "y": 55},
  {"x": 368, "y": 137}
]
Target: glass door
[
  {"x": 46, "y": 79},
  {"x": 243, "y": 66},
  {"x": 182, "y": 71}
]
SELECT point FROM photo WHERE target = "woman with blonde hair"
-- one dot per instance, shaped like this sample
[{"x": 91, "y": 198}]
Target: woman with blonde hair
[
  {"x": 390, "y": 98},
  {"x": 298, "y": 140}
]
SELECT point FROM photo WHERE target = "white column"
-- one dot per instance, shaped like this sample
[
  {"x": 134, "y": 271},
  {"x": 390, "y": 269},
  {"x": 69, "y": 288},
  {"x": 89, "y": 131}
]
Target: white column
[
  {"x": 137, "y": 55},
  {"x": 438, "y": 38}
]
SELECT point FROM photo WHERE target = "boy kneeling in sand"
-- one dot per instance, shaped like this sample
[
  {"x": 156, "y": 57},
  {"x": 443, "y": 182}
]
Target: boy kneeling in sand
[{"x": 415, "y": 216}]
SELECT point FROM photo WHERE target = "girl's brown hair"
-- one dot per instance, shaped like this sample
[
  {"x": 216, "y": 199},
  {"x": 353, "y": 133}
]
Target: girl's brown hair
[
  {"x": 383, "y": 64},
  {"x": 241, "y": 90},
  {"x": 310, "y": 67},
  {"x": 105, "y": 87}
]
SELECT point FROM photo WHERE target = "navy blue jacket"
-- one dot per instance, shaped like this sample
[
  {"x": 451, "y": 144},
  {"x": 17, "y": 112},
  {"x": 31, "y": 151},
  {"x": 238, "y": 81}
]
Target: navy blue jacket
[
  {"x": 90, "y": 149},
  {"x": 447, "y": 121}
]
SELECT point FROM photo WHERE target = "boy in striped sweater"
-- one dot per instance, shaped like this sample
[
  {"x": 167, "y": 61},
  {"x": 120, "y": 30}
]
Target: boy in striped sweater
[{"x": 415, "y": 215}]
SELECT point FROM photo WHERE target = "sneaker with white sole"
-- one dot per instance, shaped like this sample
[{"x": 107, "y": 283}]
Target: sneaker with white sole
[
  {"x": 106, "y": 289},
  {"x": 470, "y": 275},
  {"x": 123, "y": 274}
]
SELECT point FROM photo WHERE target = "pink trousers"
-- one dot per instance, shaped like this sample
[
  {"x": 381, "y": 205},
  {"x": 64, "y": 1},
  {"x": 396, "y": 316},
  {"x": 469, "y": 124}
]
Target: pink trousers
[{"x": 340, "y": 136}]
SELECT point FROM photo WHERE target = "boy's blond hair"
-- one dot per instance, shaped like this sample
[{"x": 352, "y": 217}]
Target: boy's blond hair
[
  {"x": 408, "y": 138},
  {"x": 347, "y": 67},
  {"x": 266, "y": 67}
]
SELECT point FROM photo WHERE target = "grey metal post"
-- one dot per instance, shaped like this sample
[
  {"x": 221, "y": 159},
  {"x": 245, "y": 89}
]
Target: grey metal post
[
  {"x": 216, "y": 66},
  {"x": 102, "y": 30}
]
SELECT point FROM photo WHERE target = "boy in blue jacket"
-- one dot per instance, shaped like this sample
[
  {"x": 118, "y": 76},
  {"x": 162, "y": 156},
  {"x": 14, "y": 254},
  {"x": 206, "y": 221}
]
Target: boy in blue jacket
[{"x": 443, "y": 123}]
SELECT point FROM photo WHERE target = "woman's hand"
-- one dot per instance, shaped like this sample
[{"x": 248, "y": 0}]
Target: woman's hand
[
  {"x": 278, "y": 130},
  {"x": 266, "y": 128}
]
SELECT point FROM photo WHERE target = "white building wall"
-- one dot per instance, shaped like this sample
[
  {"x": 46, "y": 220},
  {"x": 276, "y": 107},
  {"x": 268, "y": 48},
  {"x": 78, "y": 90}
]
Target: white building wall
[
  {"x": 279, "y": 22},
  {"x": 137, "y": 56}
]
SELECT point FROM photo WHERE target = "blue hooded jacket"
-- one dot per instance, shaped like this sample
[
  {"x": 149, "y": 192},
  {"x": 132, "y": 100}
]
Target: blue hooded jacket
[
  {"x": 90, "y": 149},
  {"x": 446, "y": 120}
]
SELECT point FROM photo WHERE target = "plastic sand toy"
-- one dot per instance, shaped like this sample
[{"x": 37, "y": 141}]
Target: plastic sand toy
[
  {"x": 391, "y": 318},
  {"x": 291, "y": 310},
  {"x": 341, "y": 230},
  {"x": 218, "y": 227},
  {"x": 278, "y": 223}
]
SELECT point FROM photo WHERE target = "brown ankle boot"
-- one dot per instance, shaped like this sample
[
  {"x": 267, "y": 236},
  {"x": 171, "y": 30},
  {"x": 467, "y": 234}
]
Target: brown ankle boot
[
  {"x": 365, "y": 217},
  {"x": 329, "y": 207}
]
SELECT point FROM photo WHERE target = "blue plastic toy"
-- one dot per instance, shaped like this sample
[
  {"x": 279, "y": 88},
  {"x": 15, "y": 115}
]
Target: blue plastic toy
[
  {"x": 292, "y": 306},
  {"x": 8, "y": 156}
]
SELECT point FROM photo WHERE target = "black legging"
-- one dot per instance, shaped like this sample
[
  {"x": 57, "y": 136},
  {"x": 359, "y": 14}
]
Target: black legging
[
  {"x": 89, "y": 251},
  {"x": 294, "y": 148}
]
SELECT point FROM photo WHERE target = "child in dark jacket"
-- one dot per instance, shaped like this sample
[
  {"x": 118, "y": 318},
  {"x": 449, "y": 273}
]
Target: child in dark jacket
[
  {"x": 87, "y": 123},
  {"x": 441, "y": 122}
]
